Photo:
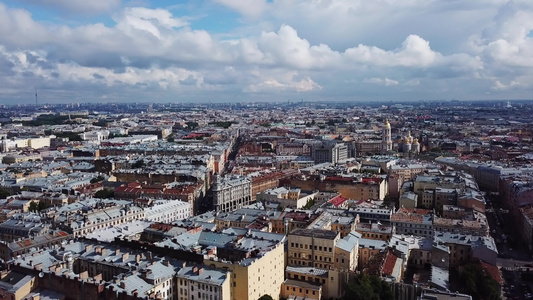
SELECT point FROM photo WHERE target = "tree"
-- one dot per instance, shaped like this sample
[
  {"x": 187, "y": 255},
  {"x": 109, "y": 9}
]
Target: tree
[
  {"x": 192, "y": 125},
  {"x": 4, "y": 193},
  {"x": 104, "y": 194},
  {"x": 33, "y": 206},
  {"x": 97, "y": 179},
  {"x": 265, "y": 297},
  {"x": 363, "y": 287},
  {"x": 309, "y": 204},
  {"x": 478, "y": 283},
  {"x": 138, "y": 164}
]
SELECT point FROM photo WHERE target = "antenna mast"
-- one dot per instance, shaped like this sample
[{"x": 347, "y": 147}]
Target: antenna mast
[{"x": 35, "y": 96}]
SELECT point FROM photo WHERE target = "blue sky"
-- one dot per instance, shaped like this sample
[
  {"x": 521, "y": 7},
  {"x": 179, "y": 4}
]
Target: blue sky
[{"x": 259, "y": 50}]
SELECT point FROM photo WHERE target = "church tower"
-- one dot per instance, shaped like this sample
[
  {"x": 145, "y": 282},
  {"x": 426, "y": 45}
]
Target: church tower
[{"x": 386, "y": 141}]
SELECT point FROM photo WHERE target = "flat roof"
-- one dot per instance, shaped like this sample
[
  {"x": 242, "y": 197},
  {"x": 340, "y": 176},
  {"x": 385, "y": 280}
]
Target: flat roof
[{"x": 317, "y": 233}]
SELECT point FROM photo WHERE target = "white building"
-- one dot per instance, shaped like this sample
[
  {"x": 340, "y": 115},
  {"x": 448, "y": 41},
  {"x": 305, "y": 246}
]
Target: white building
[
  {"x": 231, "y": 192},
  {"x": 168, "y": 211}
]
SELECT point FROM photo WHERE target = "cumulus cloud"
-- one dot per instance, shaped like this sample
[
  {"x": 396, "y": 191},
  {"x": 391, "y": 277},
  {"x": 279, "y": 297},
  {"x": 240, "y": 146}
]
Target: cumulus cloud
[
  {"x": 282, "y": 82},
  {"x": 152, "y": 49},
  {"x": 381, "y": 81}
]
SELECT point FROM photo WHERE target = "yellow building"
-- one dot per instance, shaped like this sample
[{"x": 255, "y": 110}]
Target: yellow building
[
  {"x": 305, "y": 290},
  {"x": 367, "y": 249},
  {"x": 201, "y": 283},
  {"x": 375, "y": 231},
  {"x": 16, "y": 286},
  {"x": 313, "y": 247},
  {"x": 314, "y": 283},
  {"x": 346, "y": 252},
  {"x": 254, "y": 277}
]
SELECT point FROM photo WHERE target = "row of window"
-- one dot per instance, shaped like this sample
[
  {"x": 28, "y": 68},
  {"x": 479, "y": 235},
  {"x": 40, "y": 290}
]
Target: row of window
[
  {"x": 306, "y": 290},
  {"x": 305, "y": 246}
]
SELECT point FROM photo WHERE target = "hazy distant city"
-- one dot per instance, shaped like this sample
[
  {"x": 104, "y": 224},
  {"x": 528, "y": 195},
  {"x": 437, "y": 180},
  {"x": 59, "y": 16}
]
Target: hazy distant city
[
  {"x": 292, "y": 200},
  {"x": 266, "y": 150}
]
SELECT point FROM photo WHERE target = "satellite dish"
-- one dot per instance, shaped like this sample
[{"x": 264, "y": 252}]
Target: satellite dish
[{"x": 41, "y": 274}]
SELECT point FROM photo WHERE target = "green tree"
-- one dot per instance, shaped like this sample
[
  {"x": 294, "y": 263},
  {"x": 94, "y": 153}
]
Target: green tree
[
  {"x": 309, "y": 204},
  {"x": 97, "y": 179},
  {"x": 104, "y": 194},
  {"x": 192, "y": 125},
  {"x": 33, "y": 206},
  {"x": 4, "y": 193},
  {"x": 367, "y": 287},
  {"x": 478, "y": 283},
  {"x": 138, "y": 164}
]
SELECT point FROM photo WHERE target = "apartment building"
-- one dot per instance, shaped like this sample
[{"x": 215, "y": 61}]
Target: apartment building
[
  {"x": 256, "y": 276},
  {"x": 467, "y": 248},
  {"x": 329, "y": 152},
  {"x": 375, "y": 231},
  {"x": 201, "y": 282},
  {"x": 23, "y": 226},
  {"x": 314, "y": 248},
  {"x": 231, "y": 192},
  {"x": 412, "y": 221},
  {"x": 313, "y": 283}
]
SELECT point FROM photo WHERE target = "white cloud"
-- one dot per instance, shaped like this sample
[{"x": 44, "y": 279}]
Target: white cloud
[
  {"x": 382, "y": 81},
  {"x": 415, "y": 52},
  {"x": 152, "y": 49},
  {"x": 247, "y": 8}
]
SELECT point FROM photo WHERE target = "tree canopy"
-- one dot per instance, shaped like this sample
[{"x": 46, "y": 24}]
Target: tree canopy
[
  {"x": 104, "y": 194},
  {"x": 476, "y": 282},
  {"x": 367, "y": 287}
]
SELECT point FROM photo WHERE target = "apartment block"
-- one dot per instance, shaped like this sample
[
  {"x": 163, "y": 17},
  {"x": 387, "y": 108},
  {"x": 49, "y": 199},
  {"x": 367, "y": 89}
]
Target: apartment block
[
  {"x": 231, "y": 193},
  {"x": 314, "y": 248},
  {"x": 411, "y": 221}
]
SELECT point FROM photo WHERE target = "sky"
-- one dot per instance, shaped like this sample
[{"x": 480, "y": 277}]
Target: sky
[{"x": 74, "y": 51}]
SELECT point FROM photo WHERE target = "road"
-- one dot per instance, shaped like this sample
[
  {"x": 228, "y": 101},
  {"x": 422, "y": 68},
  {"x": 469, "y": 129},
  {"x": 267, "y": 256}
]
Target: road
[{"x": 513, "y": 261}]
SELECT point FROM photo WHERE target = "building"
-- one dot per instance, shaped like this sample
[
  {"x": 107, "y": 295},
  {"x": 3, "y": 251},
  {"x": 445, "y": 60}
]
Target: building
[
  {"x": 386, "y": 141},
  {"x": 168, "y": 211},
  {"x": 468, "y": 248},
  {"x": 313, "y": 283},
  {"x": 202, "y": 282},
  {"x": 312, "y": 248},
  {"x": 375, "y": 231},
  {"x": 329, "y": 151},
  {"x": 408, "y": 200},
  {"x": 286, "y": 197},
  {"x": 231, "y": 192},
  {"x": 412, "y": 221},
  {"x": 23, "y": 226},
  {"x": 20, "y": 247}
]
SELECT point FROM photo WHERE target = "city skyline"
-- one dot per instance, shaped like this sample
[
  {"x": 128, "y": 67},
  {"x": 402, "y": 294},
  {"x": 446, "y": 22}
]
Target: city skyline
[{"x": 224, "y": 50}]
